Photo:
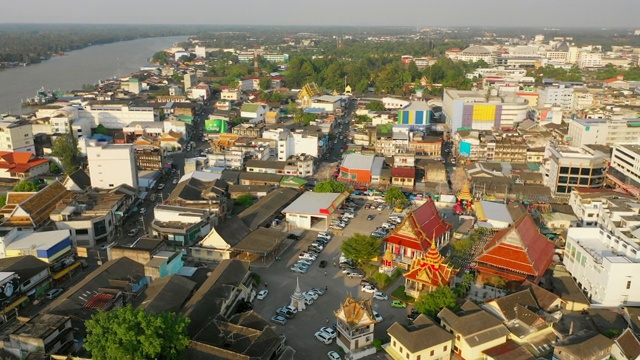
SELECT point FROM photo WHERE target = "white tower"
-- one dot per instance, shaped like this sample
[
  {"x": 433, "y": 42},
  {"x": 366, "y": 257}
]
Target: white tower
[{"x": 297, "y": 299}]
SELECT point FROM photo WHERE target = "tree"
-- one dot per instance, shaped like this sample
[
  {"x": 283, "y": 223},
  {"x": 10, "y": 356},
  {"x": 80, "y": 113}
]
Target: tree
[
  {"x": 330, "y": 186},
  {"x": 160, "y": 57},
  {"x": 431, "y": 303},
  {"x": 304, "y": 118},
  {"x": 127, "y": 333},
  {"x": 3, "y": 200},
  {"x": 25, "y": 186},
  {"x": 65, "y": 148},
  {"x": 100, "y": 129},
  {"x": 361, "y": 248},
  {"x": 292, "y": 108},
  {"x": 54, "y": 168},
  {"x": 395, "y": 197},
  {"x": 265, "y": 83},
  {"x": 244, "y": 200},
  {"x": 375, "y": 105}
]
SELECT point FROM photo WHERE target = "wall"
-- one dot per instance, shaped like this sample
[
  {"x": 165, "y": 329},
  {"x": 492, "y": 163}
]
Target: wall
[{"x": 111, "y": 166}]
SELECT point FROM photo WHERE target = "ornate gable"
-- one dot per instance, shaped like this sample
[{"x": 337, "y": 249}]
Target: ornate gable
[{"x": 356, "y": 313}]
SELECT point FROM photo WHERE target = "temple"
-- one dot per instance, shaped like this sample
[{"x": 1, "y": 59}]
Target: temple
[
  {"x": 413, "y": 238},
  {"x": 428, "y": 273},
  {"x": 515, "y": 254}
]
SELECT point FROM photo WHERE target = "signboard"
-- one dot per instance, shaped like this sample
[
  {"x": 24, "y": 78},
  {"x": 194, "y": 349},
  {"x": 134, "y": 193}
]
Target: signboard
[
  {"x": 82, "y": 252},
  {"x": 215, "y": 126}
]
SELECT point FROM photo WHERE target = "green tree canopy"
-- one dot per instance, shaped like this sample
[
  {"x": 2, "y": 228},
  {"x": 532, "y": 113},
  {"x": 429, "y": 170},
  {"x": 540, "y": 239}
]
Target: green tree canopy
[
  {"x": 330, "y": 186},
  {"x": 292, "y": 108},
  {"x": 361, "y": 248},
  {"x": 431, "y": 303},
  {"x": 395, "y": 197},
  {"x": 65, "y": 148},
  {"x": 127, "y": 333},
  {"x": 244, "y": 200},
  {"x": 3, "y": 200},
  {"x": 375, "y": 105},
  {"x": 25, "y": 186},
  {"x": 160, "y": 57},
  {"x": 265, "y": 83},
  {"x": 100, "y": 129},
  {"x": 304, "y": 118}
]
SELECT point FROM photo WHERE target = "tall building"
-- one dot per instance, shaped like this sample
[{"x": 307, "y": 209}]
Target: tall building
[
  {"x": 16, "y": 135},
  {"x": 624, "y": 170},
  {"x": 189, "y": 80},
  {"x": 603, "y": 132},
  {"x": 557, "y": 95},
  {"x": 568, "y": 167},
  {"x": 111, "y": 165}
]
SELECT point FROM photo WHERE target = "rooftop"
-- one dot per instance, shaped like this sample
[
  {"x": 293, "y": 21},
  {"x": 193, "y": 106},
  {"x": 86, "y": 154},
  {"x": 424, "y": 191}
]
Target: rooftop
[
  {"x": 40, "y": 240},
  {"x": 313, "y": 203}
]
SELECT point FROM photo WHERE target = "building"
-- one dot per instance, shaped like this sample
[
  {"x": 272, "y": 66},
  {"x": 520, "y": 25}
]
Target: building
[
  {"x": 415, "y": 113},
  {"x": 180, "y": 226},
  {"x": 413, "y": 238},
  {"x": 498, "y": 216},
  {"x": 202, "y": 92},
  {"x": 117, "y": 115},
  {"x": 608, "y": 132},
  {"x": 403, "y": 177},
  {"x": 422, "y": 339},
  {"x": 360, "y": 169},
  {"x": 230, "y": 94},
  {"x": 624, "y": 170},
  {"x": 149, "y": 157},
  {"x": 515, "y": 254},
  {"x": 254, "y": 112},
  {"x": 557, "y": 95},
  {"x": 314, "y": 210},
  {"x": 586, "y": 203},
  {"x": 44, "y": 333},
  {"x": 32, "y": 272},
  {"x": 33, "y": 209},
  {"x": 474, "y": 110},
  {"x": 590, "y": 346},
  {"x": 111, "y": 165},
  {"x": 568, "y": 167},
  {"x": 48, "y": 246},
  {"x": 200, "y": 190},
  {"x": 355, "y": 326},
  {"x": 428, "y": 273},
  {"x": 189, "y": 80},
  {"x": 474, "y": 329},
  {"x": 22, "y": 165},
  {"x": 473, "y": 53},
  {"x": 491, "y": 146},
  {"x": 16, "y": 135}
]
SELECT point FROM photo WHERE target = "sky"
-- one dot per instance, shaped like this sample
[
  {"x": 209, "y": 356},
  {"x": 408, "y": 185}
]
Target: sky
[{"x": 423, "y": 13}]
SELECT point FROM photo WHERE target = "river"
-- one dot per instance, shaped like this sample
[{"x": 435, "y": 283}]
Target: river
[{"x": 71, "y": 71}]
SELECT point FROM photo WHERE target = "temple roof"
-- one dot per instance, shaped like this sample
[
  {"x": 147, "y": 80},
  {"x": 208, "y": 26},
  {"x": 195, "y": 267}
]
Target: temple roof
[
  {"x": 420, "y": 228},
  {"x": 356, "y": 313},
  {"x": 431, "y": 269}
]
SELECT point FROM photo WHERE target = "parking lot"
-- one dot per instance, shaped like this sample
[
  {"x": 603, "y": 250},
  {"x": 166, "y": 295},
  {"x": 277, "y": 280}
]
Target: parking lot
[{"x": 281, "y": 283}]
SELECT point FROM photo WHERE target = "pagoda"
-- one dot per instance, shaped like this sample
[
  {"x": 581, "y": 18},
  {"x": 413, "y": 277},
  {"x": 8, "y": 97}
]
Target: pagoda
[
  {"x": 297, "y": 299},
  {"x": 465, "y": 192},
  {"x": 355, "y": 326},
  {"x": 428, "y": 273}
]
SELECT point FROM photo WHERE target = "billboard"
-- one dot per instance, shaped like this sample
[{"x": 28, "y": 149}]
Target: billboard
[{"x": 215, "y": 126}]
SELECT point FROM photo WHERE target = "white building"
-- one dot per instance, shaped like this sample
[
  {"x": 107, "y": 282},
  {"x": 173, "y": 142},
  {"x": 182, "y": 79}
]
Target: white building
[
  {"x": 16, "y": 135},
  {"x": 625, "y": 161},
  {"x": 556, "y": 95},
  {"x": 582, "y": 99},
  {"x": 314, "y": 211},
  {"x": 230, "y": 94},
  {"x": 603, "y": 132},
  {"x": 111, "y": 165},
  {"x": 589, "y": 59},
  {"x": 329, "y": 103},
  {"x": 117, "y": 116},
  {"x": 472, "y": 54},
  {"x": 391, "y": 103}
]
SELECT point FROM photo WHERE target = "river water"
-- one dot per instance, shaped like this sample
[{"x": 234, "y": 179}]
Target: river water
[{"x": 71, "y": 71}]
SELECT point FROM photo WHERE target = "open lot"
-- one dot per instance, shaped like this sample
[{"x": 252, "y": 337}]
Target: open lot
[{"x": 282, "y": 282}]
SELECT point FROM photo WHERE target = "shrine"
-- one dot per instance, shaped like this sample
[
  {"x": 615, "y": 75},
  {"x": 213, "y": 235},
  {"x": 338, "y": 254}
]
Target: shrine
[{"x": 428, "y": 273}]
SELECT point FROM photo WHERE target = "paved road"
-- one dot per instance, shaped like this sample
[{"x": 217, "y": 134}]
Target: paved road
[{"x": 281, "y": 284}]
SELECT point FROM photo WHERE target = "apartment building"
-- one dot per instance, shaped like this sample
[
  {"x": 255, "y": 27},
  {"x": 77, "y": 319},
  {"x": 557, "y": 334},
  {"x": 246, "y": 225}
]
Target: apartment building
[
  {"x": 624, "y": 170},
  {"x": 491, "y": 146},
  {"x": 603, "y": 132},
  {"x": 16, "y": 135},
  {"x": 117, "y": 116},
  {"x": 111, "y": 165},
  {"x": 589, "y": 59},
  {"x": 556, "y": 95},
  {"x": 605, "y": 261},
  {"x": 566, "y": 168}
]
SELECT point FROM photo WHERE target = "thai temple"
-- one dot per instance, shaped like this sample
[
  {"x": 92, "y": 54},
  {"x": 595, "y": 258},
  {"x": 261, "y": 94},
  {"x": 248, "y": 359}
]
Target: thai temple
[{"x": 428, "y": 273}]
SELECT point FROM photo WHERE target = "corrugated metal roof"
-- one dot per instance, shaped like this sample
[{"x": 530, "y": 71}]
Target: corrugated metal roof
[{"x": 359, "y": 162}]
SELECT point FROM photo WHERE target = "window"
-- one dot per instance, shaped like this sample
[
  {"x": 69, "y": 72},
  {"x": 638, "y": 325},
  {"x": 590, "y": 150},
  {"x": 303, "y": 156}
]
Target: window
[
  {"x": 432, "y": 352},
  {"x": 408, "y": 354},
  {"x": 628, "y": 285},
  {"x": 394, "y": 343},
  {"x": 458, "y": 337},
  {"x": 444, "y": 348},
  {"x": 82, "y": 231}
]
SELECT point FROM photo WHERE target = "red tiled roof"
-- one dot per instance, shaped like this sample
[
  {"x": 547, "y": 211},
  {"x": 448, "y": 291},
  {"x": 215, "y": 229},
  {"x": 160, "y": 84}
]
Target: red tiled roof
[
  {"x": 403, "y": 172},
  {"x": 100, "y": 301},
  {"x": 408, "y": 242},
  {"x": 425, "y": 224},
  {"x": 19, "y": 161},
  {"x": 520, "y": 248}
]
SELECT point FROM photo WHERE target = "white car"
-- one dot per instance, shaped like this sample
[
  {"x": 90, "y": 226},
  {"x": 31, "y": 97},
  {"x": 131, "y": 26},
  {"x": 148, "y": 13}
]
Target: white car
[
  {"x": 333, "y": 355},
  {"x": 348, "y": 214},
  {"x": 369, "y": 289},
  {"x": 305, "y": 262},
  {"x": 329, "y": 331},
  {"x": 379, "y": 200},
  {"x": 325, "y": 235},
  {"x": 308, "y": 256},
  {"x": 377, "y": 316},
  {"x": 378, "y": 295},
  {"x": 143, "y": 211},
  {"x": 323, "y": 338},
  {"x": 262, "y": 294},
  {"x": 293, "y": 309},
  {"x": 310, "y": 294}
]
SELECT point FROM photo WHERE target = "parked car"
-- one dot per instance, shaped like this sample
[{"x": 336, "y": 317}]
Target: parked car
[
  {"x": 366, "y": 282},
  {"x": 348, "y": 214},
  {"x": 308, "y": 256},
  {"x": 311, "y": 294},
  {"x": 262, "y": 294},
  {"x": 299, "y": 268},
  {"x": 292, "y": 309},
  {"x": 161, "y": 186},
  {"x": 411, "y": 317},
  {"x": 53, "y": 293},
  {"x": 323, "y": 338},
  {"x": 329, "y": 331},
  {"x": 369, "y": 289},
  {"x": 293, "y": 237},
  {"x": 355, "y": 274},
  {"x": 378, "y": 295},
  {"x": 377, "y": 316},
  {"x": 398, "y": 304},
  {"x": 367, "y": 206},
  {"x": 278, "y": 319},
  {"x": 318, "y": 291},
  {"x": 133, "y": 232},
  {"x": 283, "y": 311},
  {"x": 333, "y": 355},
  {"x": 325, "y": 234},
  {"x": 143, "y": 211},
  {"x": 306, "y": 262},
  {"x": 323, "y": 241}
]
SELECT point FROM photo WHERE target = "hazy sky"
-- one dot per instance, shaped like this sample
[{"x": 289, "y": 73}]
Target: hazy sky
[{"x": 556, "y": 13}]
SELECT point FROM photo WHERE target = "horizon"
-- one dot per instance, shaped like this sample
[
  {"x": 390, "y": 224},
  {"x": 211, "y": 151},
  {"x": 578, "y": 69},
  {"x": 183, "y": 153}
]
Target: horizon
[{"x": 468, "y": 13}]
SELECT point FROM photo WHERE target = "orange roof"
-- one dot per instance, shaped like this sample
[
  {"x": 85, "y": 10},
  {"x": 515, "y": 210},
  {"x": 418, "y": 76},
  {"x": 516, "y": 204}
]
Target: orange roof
[
  {"x": 520, "y": 248},
  {"x": 431, "y": 270},
  {"x": 19, "y": 161},
  {"x": 423, "y": 224}
]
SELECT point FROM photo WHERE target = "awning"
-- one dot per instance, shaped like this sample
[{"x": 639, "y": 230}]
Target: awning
[
  {"x": 65, "y": 271},
  {"x": 14, "y": 305}
]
